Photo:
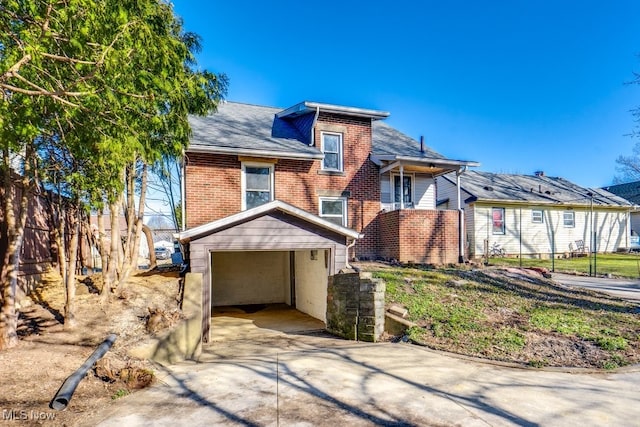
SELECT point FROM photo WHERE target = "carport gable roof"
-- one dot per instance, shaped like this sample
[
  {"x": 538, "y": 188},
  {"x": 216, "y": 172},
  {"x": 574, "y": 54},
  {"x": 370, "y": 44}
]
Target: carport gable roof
[{"x": 277, "y": 205}]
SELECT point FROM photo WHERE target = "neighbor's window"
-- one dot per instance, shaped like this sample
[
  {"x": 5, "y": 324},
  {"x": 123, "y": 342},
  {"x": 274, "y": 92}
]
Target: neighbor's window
[
  {"x": 537, "y": 217},
  {"x": 334, "y": 209},
  {"x": 257, "y": 183},
  {"x": 332, "y": 149},
  {"x": 497, "y": 215},
  {"x": 569, "y": 219}
]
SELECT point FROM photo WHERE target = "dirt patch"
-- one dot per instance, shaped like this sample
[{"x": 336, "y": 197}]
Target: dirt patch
[{"x": 47, "y": 354}]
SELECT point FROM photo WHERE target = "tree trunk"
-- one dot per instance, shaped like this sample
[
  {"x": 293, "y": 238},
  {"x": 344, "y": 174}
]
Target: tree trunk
[
  {"x": 8, "y": 275},
  {"x": 70, "y": 285},
  {"x": 104, "y": 253},
  {"x": 60, "y": 241},
  {"x": 140, "y": 217},
  {"x": 15, "y": 235},
  {"x": 129, "y": 210},
  {"x": 153, "y": 262},
  {"x": 131, "y": 257},
  {"x": 114, "y": 251}
]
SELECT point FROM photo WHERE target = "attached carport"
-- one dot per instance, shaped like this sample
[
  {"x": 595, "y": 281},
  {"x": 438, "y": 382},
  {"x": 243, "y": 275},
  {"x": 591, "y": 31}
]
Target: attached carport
[{"x": 272, "y": 254}]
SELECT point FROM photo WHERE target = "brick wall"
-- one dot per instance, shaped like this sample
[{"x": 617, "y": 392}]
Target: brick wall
[
  {"x": 420, "y": 236},
  {"x": 213, "y": 187},
  {"x": 213, "y": 182}
]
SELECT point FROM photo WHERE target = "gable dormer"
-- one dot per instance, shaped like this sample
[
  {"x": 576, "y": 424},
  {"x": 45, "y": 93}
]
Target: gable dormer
[{"x": 342, "y": 134}]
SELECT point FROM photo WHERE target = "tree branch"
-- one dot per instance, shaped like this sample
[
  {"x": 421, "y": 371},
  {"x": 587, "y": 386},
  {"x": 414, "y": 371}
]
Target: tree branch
[
  {"x": 13, "y": 70},
  {"x": 67, "y": 59},
  {"x": 37, "y": 92}
]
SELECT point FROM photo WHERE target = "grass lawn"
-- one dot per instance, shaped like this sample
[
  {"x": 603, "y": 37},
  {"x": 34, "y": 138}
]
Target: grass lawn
[
  {"x": 512, "y": 316},
  {"x": 623, "y": 265}
]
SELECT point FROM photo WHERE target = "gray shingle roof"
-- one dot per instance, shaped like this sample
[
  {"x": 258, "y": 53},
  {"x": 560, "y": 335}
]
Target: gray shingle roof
[
  {"x": 387, "y": 140},
  {"x": 245, "y": 127},
  {"x": 629, "y": 191},
  {"x": 532, "y": 189},
  {"x": 248, "y": 127}
]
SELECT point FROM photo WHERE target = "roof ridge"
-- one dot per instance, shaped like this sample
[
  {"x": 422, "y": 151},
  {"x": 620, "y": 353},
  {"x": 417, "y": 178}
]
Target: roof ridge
[{"x": 249, "y": 104}]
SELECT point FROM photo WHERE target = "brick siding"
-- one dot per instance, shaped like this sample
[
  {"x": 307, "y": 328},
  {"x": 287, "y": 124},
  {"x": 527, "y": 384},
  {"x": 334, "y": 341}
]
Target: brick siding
[
  {"x": 420, "y": 236},
  {"x": 213, "y": 183}
]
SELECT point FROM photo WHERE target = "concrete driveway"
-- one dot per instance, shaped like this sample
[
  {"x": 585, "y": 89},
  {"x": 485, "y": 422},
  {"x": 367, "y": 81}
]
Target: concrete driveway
[
  {"x": 621, "y": 288},
  {"x": 273, "y": 377}
]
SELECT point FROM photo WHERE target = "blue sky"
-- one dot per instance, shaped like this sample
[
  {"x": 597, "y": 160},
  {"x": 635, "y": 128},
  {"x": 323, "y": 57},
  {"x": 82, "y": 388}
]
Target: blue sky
[{"x": 518, "y": 86}]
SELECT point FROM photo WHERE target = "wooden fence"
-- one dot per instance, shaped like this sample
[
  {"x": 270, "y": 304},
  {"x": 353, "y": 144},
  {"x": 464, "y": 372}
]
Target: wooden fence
[{"x": 39, "y": 250}]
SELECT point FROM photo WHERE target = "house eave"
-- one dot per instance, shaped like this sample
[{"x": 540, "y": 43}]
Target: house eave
[
  {"x": 212, "y": 227},
  {"x": 307, "y": 107},
  {"x": 423, "y": 160},
  {"x": 290, "y": 155},
  {"x": 474, "y": 199},
  {"x": 436, "y": 165}
]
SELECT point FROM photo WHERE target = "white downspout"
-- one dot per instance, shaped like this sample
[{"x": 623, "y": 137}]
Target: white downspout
[
  {"x": 349, "y": 246},
  {"x": 183, "y": 193},
  {"x": 461, "y": 233},
  {"x": 401, "y": 186},
  {"x": 312, "y": 141}
]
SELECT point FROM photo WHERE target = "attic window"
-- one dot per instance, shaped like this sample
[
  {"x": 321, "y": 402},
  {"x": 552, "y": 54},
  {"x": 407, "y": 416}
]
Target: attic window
[{"x": 488, "y": 188}]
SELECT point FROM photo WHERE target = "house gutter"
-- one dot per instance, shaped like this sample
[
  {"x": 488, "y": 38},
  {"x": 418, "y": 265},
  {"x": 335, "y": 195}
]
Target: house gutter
[
  {"x": 541, "y": 203},
  {"x": 427, "y": 160},
  {"x": 257, "y": 153}
]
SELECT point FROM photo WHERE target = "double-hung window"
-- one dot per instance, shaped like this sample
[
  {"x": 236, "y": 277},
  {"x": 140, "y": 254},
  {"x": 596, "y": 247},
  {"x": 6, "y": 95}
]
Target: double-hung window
[
  {"x": 257, "y": 184},
  {"x": 332, "y": 149},
  {"x": 334, "y": 209},
  {"x": 569, "y": 219},
  {"x": 537, "y": 217},
  {"x": 497, "y": 216}
]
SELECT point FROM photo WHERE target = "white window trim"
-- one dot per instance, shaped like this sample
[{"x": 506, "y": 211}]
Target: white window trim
[
  {"x": 340, "y": 151},
  {"x": 504, "y": 221},
  {"x": 333, "y": 199},
  {"x": 564, "y": 222},
  {"x": 393, "y": 188},
  {"x": 533, "y": 218},
  {"x": 243, "y": 180}
]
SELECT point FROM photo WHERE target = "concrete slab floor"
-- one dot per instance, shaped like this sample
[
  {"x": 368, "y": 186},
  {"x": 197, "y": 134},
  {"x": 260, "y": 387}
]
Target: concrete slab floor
[{"x": 270, "y": 377}]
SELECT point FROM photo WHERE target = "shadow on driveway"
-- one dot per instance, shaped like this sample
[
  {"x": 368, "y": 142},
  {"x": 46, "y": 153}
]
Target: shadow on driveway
[{"x": 258, "y": 376}]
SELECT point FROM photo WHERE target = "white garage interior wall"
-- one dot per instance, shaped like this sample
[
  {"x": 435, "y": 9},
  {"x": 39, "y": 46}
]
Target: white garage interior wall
[
  {"x": 250, "y": 277},
  {"x": 311, "y": 279}
]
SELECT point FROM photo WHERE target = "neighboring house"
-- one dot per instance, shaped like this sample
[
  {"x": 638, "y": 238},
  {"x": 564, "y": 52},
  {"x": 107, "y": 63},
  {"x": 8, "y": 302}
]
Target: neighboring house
[
  {"x": 278, "y": 199},
  {"x": 631, "y": 192},
  {"x": 536, "y": 215}
]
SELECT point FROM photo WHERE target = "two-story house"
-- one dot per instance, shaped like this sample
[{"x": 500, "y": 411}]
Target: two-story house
[{"x": 278, "y": 199}]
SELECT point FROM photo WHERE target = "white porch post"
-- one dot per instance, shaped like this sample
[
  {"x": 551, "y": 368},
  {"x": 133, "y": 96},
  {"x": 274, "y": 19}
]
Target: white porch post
[
  {"x": 401, "y": 186},
  {"x": 460, "y": 219}
]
